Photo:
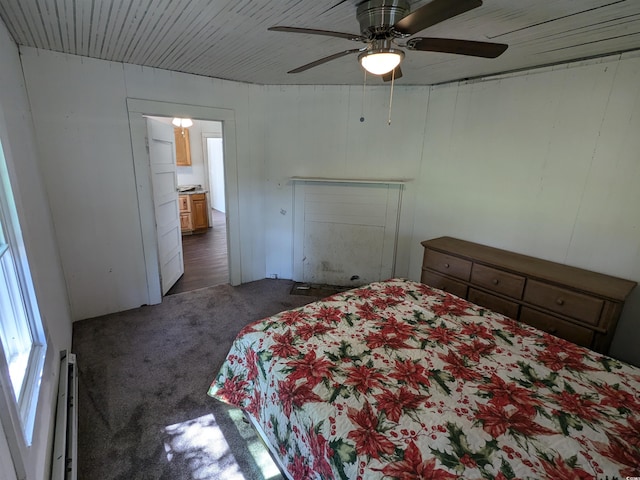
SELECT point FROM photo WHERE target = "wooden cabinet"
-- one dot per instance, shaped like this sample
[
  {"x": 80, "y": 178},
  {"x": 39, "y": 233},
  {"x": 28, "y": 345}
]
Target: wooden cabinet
[
  {"x": 183, "y": 148},
  {"x": 194, "y": 216},
  {"x": 186, "y": 221},
  {"x": 575, "y": 304},
  {"x": 199, "y": 211}
]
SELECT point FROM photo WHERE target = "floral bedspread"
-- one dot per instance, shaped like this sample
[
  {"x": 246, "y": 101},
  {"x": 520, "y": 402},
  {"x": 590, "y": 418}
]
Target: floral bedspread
[{"x": 400, "y": 380}]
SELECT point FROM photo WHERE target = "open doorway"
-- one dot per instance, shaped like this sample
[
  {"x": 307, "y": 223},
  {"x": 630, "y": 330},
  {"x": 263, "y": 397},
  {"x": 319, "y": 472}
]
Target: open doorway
[
  {"x": 204, "y": 250},
  {"x": 198, "y": 167},
  {"x": 138, "y": 111}
]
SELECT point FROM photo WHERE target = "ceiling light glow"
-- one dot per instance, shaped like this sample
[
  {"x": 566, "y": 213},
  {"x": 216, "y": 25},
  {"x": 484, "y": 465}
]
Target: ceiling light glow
[{"x": 182, "y": 122}]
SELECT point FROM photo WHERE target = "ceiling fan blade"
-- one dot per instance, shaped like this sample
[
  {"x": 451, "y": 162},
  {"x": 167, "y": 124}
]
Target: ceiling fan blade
[
  {"x": 387, "y": 77},
  {"x": 312, "y": 31},
  {"x": 336, "y": 5},
  {"x": 434, "y": 12},
  {"x": 323, "y": 60},
  {"x": 459, "y": 47}
]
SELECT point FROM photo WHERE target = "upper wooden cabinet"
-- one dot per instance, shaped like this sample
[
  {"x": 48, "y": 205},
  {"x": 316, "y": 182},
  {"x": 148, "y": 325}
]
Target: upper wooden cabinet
[{"x": 183, "y": 150}]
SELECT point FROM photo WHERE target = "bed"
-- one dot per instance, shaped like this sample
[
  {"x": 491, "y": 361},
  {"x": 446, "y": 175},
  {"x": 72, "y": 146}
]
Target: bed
[{"x": 397, "y": 379}]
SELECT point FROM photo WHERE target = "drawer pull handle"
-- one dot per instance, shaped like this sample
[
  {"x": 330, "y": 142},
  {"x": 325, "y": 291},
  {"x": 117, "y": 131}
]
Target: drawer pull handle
[
  {"x": 560, "y": 301},
  {"x": 495, "y": 281},
  {"x": 446, "y": 265}
]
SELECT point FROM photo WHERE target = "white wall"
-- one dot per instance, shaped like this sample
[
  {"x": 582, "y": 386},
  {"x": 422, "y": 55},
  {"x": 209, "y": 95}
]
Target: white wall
[
  {"x": 315, "y": 131},
  {"x": 82, "y": 129},
  {"x": 545, "y": 163},
  {"x": 79, "y": 108},
  {"x": 19, "y": 145},
  {"x": 80, "y": 116}
]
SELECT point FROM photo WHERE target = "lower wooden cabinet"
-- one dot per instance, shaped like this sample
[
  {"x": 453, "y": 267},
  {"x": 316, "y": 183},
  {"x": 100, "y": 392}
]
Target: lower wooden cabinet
[
  {"x": 199, "y": 211},
  {"x": 578, "y": 305},
  {"x": 186, "y": 223},
  {"x": 194, "y": 214}
]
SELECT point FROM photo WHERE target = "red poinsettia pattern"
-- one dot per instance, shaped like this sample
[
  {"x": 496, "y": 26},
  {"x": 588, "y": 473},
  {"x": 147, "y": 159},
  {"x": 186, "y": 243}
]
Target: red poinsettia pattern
[{"x": 398, "y": 380}]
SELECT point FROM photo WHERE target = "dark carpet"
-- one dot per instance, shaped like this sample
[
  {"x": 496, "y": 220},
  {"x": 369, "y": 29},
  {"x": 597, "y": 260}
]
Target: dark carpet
[{"x": 144, "y": 412}]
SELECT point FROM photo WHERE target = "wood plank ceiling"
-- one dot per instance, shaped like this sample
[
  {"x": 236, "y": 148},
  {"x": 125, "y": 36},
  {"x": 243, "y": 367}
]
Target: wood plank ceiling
[{"x": 229, "y": 39}]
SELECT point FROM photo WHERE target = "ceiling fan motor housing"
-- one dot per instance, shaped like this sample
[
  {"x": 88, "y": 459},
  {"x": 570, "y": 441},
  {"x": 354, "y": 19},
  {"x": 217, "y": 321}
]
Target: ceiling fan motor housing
[{"x": 377, "y": 17}]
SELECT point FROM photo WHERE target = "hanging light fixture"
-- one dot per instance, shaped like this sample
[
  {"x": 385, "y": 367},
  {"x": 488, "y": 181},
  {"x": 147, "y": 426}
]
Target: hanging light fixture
[
  {"x": 381, "y": 57},
  {"x": 182, "y": 122}
]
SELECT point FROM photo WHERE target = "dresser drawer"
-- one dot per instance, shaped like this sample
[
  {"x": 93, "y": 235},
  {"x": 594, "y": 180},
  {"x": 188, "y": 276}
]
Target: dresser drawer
[
  {"x": 497, "y": 280},
  {"x": 567, "y": 302},
  {"x": 550, "y": 324},
  {"x": 447, "y": 264},
  {"x": 444, "y": 283},
  {"x": 497, "y": 304}
]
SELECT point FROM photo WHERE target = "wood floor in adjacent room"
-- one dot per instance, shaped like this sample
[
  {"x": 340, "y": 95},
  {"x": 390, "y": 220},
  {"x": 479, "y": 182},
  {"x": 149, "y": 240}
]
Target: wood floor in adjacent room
[{"x": 205, "y": 258}]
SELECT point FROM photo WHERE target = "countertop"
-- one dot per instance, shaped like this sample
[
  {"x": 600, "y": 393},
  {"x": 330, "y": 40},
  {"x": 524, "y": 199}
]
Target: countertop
[
  {"x": 193, "y": 192},
  {"x": 190, "y": 189}
]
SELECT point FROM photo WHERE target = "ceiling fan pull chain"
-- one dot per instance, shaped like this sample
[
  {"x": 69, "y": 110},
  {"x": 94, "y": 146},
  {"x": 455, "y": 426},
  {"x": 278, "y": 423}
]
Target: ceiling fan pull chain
[
  {"x": 364, "y": 84},
  {"x": 393, "y": 78}
]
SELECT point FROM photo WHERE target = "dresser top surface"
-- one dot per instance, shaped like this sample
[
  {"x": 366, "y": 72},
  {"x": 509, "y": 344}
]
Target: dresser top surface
[{"x": 592, "y": 282}]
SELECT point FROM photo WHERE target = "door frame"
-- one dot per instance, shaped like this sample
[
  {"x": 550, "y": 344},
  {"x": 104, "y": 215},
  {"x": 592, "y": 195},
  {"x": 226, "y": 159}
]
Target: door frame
[{"x": 137, "y": 110}]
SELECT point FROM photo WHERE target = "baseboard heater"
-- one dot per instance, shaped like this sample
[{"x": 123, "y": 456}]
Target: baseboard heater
[{"x": 64, "y": 465}]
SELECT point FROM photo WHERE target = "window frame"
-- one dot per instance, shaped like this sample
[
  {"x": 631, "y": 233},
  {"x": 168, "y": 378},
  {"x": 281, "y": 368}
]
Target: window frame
[{"x": 20, "y": 413}]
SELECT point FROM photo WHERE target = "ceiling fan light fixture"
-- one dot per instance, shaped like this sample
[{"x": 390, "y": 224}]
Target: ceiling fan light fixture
[{"x": 381, "y": 61}]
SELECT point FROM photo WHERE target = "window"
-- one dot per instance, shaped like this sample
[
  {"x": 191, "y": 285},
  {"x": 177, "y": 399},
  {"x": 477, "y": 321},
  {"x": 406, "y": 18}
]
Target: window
[{"x": 22, "y": 338}]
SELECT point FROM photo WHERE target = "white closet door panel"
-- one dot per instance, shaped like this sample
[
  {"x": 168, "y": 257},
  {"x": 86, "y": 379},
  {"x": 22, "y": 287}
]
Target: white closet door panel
[{"x": 345, "y": 233}]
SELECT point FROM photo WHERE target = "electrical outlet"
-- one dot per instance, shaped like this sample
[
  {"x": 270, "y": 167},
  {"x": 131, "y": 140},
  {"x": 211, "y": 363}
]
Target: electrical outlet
[{"x": 273, "y": 275}]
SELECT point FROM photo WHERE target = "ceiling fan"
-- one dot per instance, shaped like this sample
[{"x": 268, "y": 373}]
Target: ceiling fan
[{"x": 384, "y": 22}]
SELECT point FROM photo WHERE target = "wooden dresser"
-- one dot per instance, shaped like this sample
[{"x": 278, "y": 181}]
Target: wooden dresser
[{"x": 578, "y": 305}]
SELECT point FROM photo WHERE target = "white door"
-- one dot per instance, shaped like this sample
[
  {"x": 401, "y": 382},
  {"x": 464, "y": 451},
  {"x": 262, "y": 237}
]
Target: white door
[{"x": 162, "y": 156}]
